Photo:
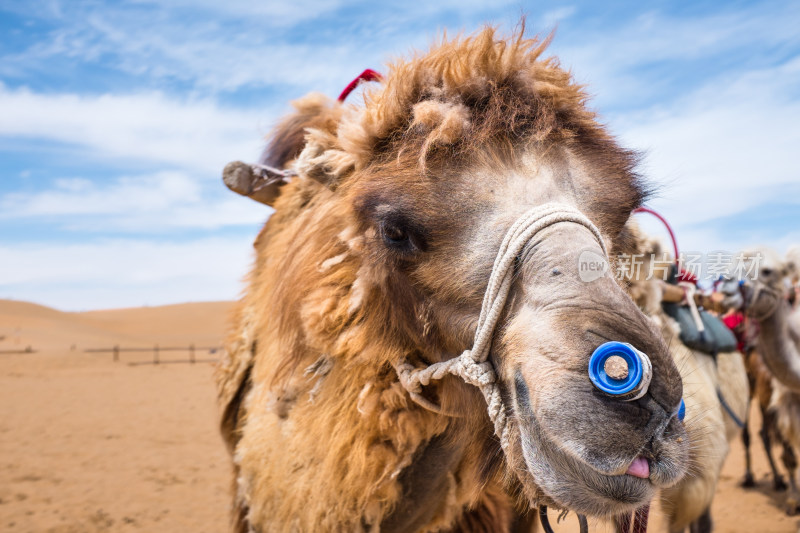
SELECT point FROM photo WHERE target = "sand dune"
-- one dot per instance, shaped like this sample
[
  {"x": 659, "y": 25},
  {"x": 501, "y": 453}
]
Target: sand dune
[
  {"x": 92, "y": 445},
  {"x": 202, "y": 323},
  {"x": 25, "y": 324},
  {"x": 89, "y": 445}
]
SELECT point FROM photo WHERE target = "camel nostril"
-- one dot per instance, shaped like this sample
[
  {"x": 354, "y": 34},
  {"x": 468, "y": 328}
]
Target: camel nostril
[{"x": 620, "y": 370}]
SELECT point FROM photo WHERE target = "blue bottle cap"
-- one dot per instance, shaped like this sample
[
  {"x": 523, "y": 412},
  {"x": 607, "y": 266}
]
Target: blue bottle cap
[{"x": 634, "y": 385}]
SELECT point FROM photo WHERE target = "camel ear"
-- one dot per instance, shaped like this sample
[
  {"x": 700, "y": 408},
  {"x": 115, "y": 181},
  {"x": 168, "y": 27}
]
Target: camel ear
[
  {"x": 258, "y": 182},
  {"x": 322, "y": 160}
]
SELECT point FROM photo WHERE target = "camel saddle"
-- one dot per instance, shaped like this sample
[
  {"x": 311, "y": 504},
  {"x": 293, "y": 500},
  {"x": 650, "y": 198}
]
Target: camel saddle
[{"x": 713, "y": 337}]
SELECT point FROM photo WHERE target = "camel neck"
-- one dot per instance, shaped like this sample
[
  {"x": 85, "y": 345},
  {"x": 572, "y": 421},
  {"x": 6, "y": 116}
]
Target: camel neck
[{"x": 779, "y": 349}]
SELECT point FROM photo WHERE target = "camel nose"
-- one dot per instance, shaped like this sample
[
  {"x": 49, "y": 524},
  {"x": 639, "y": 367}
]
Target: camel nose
[{"x": 620, "y": 370}]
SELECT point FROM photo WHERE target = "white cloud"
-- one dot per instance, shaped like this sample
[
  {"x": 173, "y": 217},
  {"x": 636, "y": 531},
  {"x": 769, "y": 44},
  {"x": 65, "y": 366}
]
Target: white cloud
[
  {"x": 614, "y": 62},
  {"x": 225, "y": 46},
  {"x": 77, "y": 196},
  {"x": 124, "y": 272},
  {"x": 273, "y": 14},
  {"x": 158, "y": 202},
  {"x": 238, "y": 45},
  {"x": 212, "y": 58},
  {"x": 726, "y": 147},
  {"x": 145, "y": 127}
]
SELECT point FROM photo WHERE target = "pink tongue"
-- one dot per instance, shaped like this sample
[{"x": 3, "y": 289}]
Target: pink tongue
[{"x": 639, "y": 468}]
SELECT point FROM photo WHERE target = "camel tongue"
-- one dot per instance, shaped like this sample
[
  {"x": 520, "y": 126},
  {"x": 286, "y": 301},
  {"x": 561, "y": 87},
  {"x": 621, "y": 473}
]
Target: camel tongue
[{"x": 639, "y": 468}]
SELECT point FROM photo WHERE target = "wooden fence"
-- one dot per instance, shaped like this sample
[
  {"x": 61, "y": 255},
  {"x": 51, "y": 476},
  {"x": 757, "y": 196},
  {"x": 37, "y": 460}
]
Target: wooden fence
[
  {"x": 156, "y": 350},
  {"x": 27, "y": 349}
]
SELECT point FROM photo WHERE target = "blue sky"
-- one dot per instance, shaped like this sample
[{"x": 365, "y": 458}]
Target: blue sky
[{"x": 116, "y": 119}]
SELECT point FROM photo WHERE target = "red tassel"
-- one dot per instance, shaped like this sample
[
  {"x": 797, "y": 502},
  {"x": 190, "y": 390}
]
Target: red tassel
[
  {"x": 640, "y": 519},
  {"x": 623, "y": 523},
  {"x": 367, "y": 75}
]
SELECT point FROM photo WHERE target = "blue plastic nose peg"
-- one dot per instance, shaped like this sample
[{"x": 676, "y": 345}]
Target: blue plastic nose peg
[
  {"x": 630, "y": 387},
  {"x": 681, "y": 411}
]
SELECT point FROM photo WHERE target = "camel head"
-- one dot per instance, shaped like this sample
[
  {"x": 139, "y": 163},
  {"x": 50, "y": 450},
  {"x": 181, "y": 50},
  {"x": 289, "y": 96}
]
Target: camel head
[
  {"x": 423, "y": 181},
  {"x": 763, "y": 283},
  {"x": 793, "y": 265}
]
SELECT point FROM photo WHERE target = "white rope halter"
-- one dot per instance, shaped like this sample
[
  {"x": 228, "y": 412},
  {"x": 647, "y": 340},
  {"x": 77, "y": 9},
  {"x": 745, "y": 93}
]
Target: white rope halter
[
  {"x": 472, "y": 365},
  {"x": 760, "y": 287}
]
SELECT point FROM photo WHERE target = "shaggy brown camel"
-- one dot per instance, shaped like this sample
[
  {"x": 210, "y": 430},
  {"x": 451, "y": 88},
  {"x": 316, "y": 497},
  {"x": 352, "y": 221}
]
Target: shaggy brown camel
[
  {"x": 711, "y": 429},
  {"x": 763, "y": 297},
  {"x": 377, "y": 261}
]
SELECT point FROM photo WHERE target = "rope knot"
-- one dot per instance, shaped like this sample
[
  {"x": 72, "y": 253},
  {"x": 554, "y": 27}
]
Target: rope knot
[
  {"x": 408, "y": 378},
  {"x": 474, "y": 373}
]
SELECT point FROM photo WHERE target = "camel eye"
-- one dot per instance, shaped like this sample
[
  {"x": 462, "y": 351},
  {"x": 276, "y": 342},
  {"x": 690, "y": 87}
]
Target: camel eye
[
  {"x": 396, "y": 236},
  {"x": 766, "y": 271},
  {"x": 403, "y": 235}
]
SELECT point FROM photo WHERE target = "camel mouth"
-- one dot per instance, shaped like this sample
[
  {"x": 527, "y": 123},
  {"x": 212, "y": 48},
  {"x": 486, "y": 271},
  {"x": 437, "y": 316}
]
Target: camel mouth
[
  {"x": 595, "y": 486},
  {"x": 581, "y": 486}
]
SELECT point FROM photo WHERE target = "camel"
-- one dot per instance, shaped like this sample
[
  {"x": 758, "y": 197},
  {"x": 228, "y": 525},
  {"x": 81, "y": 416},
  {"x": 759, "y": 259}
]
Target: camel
[
  {"x": 447, "y": 214},
  {"x": 793, "y": 264},
  {"x": 711, "y": 429},
  {"x": 762, "y": 296},
  {"x": 793, "y": 274},
  {"x": 761, "y": 391}
]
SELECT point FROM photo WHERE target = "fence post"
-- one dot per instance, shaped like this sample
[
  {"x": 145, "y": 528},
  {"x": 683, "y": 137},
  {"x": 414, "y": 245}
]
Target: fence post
[
  {"x": 155, "y": 354},
  {"x": 191, "y": 353},
  {"x": 116, "y": 353}
]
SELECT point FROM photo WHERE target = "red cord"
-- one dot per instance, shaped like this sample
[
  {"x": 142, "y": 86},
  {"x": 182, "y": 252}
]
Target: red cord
[
  {"x": 367, "y": 75},
  {"x": 664, "y": 221},
  {"x": 683, "y": 275},
  {"x": 623, "y": 523},
  {"x": 640, "y": 519}
]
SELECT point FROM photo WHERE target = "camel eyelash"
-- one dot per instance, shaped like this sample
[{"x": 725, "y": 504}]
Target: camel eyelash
[{"x": 401, "y": 234}]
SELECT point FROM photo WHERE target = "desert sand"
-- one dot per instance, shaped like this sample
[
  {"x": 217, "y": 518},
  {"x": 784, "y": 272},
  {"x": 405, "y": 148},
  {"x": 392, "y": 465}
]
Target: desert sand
[{"x": 88, "y": 444}]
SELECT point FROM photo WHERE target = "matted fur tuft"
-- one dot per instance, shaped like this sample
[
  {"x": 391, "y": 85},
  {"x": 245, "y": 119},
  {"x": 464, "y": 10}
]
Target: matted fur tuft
[
  {"x": 469, "y": 95},
  {"x": 287, "y": 139}
]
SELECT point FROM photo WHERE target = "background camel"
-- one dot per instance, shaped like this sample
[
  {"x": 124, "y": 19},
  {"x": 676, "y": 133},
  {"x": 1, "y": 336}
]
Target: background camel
[
  {"x": 764, "y": 299},
  {"x": 793, "y": 274},
  {"x": 761, "y": 390},
  {"x": 793, "y": 263},
  {"x": 379, "y": 254},
  {"x": 710, "y": 427}
]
